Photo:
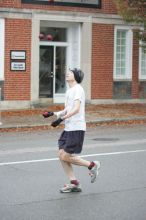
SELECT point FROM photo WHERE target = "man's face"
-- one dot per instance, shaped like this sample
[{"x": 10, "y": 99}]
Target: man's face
[{"x": 70, "y": 76}]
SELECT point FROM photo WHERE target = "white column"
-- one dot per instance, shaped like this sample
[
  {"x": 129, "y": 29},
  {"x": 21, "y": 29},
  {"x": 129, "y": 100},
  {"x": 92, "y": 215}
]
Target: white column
[
  {"x": 35, "y": 60},
  {"x": 2, "y": 40},
  {"x": 86, "y": 56}
]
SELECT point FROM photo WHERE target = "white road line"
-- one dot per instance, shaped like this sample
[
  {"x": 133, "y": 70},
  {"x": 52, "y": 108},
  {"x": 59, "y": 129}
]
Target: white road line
[
  {"x": 86, "y": 146},
  {"x": 88, "y": 155}
]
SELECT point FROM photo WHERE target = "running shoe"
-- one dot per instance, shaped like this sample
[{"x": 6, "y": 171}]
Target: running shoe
[
  {"x": 69, "y": 188},
  {"x": 95, "y": 171}
]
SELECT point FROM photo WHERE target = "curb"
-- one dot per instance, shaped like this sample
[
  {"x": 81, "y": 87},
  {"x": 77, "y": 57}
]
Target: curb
[{"x": 93, "y": 123}]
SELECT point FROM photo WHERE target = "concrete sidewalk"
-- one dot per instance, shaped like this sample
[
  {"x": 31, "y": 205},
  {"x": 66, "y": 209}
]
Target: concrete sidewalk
[{"x": 31, "y": 119}]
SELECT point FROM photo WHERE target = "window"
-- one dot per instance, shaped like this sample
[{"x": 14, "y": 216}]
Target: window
[
  {"x": 123, "y": 54},
  {"x": 72, "y": 3},
  {"x": 1, "y": 49},
  {"x": 142, "y": 64},
  {"x": 53, "y": 34}
]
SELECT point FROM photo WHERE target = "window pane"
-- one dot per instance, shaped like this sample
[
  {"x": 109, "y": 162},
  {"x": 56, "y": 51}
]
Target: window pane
[
  {"x": 123, "y": 34},
  {"x": 123, "y": 63},
  {"x": 118, "y": 56},
  {"x": 118, "y": 71},
  {"x": 53, "y": 34},
  {"x": 123, "y": 71},
  {"x": 60, "y": 68},
  {"x": 118, "y": 41},
  {"x": 118, "y": 63},
  {"x": 123, "y": 56},
  {"x": 121, "y": 53},
  {"x": 143, "y": 63},
  {"x": 45, "y": 71},
  {"x": 123, "y": 41},
  {"x": 118, "y": 49},
  {"x": 123, "y": 49}
]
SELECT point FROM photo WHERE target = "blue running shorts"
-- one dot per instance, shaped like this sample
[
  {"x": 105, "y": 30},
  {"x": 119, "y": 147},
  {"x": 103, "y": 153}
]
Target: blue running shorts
[{"x": 71, "y": 141}]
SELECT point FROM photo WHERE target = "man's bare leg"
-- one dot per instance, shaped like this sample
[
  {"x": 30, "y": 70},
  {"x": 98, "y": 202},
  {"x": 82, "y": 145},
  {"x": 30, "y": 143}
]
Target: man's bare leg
[
  {"x": 68, "y": 169},
  {"x": 73, "y": 159},
  {"x": 92, "y": 166}
]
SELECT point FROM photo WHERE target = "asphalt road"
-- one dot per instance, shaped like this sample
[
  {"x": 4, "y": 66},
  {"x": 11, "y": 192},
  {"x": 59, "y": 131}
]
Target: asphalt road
[{"x": 31, "y": 175}]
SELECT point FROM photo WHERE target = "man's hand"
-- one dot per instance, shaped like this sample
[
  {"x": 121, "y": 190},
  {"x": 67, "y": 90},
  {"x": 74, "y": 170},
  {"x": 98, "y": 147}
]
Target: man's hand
[
  {"x": 57, "y": 122},
  {"x": 47, "y": 114}
]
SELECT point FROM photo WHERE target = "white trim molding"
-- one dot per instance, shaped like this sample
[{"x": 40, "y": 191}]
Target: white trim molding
[
  {"x": 2, "y": 42},
  {"x": 128, "y": 53},
  {"x": 142, "y": 62}
]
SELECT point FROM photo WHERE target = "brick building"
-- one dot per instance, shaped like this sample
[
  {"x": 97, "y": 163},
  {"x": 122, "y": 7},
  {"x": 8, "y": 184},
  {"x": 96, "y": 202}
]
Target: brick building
[{"x": 41, "y": 39}]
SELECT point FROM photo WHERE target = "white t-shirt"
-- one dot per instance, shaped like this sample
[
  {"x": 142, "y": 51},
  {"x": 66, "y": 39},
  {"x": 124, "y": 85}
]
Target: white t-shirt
[{"x": 77, "y": 121}]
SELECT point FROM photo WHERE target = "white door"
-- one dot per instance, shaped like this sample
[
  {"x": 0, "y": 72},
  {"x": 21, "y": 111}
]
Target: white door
[{"x": 60, "y": 67}]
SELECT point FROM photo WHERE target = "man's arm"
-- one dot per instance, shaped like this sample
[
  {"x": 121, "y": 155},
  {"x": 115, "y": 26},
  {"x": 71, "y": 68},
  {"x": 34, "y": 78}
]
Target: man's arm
[
  {"x": 47, "y": 114},
  {"x": 74, "y": 111},
  {"x": 60, "y": 113}
]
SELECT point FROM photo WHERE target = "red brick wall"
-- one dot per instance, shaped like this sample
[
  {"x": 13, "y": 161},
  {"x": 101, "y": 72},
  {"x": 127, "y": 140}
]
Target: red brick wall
[
  {"x": 10, "y": 3},
  {"x": 17, "y": 37},
  {"x": 102, "y": 61},
  {"x": 107, "y": 6},
  {"x": 135, "y": 70}
]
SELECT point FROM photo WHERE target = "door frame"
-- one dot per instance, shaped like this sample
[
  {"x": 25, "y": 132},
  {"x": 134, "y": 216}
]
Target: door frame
[{"x": 59, "y": 98}]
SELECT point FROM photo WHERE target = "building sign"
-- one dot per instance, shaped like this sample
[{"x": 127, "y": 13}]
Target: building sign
[
  {"x": 72, "y": 3},
  {"x": 18, "y": 55},
  {"x": 18, "y": 66},
  {"x": 18, "y": 60}
]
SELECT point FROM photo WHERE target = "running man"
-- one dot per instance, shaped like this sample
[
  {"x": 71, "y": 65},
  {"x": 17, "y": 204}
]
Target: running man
[{"x": 72, "y": 138}]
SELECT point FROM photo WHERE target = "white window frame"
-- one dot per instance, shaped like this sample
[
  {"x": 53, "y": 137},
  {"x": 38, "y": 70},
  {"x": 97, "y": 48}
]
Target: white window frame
[
  {"x": 141, "y": 77},
  {"x": 129, "y": 54},
  {"x": 2, "y": 37}
]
